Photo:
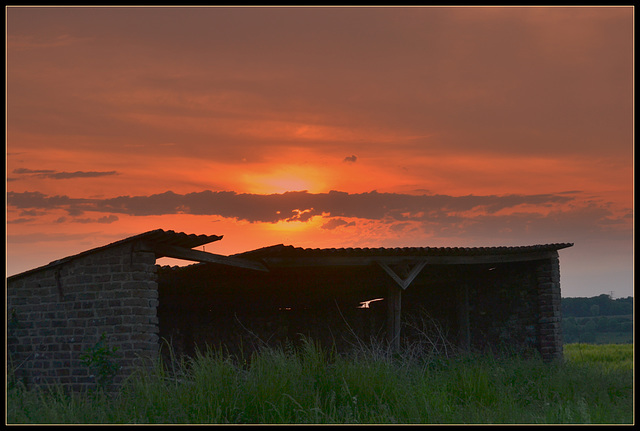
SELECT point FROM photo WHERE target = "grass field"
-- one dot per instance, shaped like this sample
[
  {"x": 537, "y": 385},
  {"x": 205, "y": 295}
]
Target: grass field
[{"x": 311, "y": 385}]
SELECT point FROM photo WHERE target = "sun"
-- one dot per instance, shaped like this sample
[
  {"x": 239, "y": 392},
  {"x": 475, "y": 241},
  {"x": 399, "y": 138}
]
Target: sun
[
  {"x": 286, "y": 183},
  {"x": 289, "y": 178}
]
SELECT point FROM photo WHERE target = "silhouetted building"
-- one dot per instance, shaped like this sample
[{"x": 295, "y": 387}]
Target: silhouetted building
[{"x": 436, "y": 300}]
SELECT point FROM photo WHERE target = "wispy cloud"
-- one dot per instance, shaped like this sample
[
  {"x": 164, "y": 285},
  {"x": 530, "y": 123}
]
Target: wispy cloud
[
  {"x": 105, "y": 220},
  {"x": 48, "y": 173},
  {"x": 21, "y": 43},
  {"x": 79, "y": 174},
  {"x": 32, "y": 171},
  {"x": 20, "y": 220}
]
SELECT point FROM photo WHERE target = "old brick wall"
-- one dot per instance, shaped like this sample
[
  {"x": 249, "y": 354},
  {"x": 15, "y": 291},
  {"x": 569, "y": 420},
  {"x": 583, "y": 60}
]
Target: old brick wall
[{"x": 58, "y": 312}]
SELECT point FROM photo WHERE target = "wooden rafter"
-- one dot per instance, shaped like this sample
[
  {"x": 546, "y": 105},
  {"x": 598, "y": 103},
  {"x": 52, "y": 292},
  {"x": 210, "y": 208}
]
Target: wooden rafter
[
  {"x": 406, "y": 281},
  {"x": 164, "y": 250}
]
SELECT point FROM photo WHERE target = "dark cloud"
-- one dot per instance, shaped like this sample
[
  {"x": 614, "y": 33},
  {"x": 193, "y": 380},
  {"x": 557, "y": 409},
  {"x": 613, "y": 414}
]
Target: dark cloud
[
  {"x": 47, "y": 173},
  {"x": 20, "y": 221},
  {"x": 41, "y": 201},
  {"x": 350, "y": 159},
  {"x": 335, "y": 223},
  {"x": 32, "y": 213},
  {"x": 106, "y": 219},
  {"x": 537, "y": 218},
  {"x": 289, "y": 206},
  {"x": 79, "y": 174},
  {"x": 555, "y": 216},
  {"x": 399, "y": 227},
  {"x": 32, "y": 171}
]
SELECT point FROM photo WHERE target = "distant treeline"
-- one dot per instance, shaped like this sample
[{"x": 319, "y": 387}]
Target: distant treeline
[
  {"x": 601, "y": 305},
  {"x": 597, "y": 320}
]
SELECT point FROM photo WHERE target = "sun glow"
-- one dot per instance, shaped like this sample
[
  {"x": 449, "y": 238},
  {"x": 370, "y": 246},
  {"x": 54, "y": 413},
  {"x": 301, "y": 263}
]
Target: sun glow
[
  {"x": 284, "y": 179},
  {"x": 295, "y": 225},
  {"x": 285, "y": 183}
]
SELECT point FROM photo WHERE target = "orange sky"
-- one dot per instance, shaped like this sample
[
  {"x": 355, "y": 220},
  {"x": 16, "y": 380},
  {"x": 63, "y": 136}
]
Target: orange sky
[{"x": 414, "y": 126}]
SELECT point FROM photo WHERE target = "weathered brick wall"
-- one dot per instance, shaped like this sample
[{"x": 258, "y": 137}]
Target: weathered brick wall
[
  {"x": 57, "y": 313},
  {"x": 550, "y": 317}
]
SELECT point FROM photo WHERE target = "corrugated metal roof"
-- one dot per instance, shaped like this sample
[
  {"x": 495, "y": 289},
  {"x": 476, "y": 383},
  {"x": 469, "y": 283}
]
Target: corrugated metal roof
[
  {"x": 291, "y": 251},
  {"x": 181, "y": 239},
  {"x": 170, "y": 237},
  {"x": 157, "y": 236}
]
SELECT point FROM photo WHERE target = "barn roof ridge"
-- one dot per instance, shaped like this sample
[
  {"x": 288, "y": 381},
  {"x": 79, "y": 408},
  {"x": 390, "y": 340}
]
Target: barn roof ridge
[
  {"x": 281, "y": 249},
  {"x": 181, "y": 239}
]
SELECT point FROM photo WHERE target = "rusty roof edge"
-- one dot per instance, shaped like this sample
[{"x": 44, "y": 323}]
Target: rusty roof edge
[{"x": 152, "y": 235}]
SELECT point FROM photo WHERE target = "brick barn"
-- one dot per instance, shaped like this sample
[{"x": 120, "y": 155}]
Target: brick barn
[{"x": 462, "y": 299}]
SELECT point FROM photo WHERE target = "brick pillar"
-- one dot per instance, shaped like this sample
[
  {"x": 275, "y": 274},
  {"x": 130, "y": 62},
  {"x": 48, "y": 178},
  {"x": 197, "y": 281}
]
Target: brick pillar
[
  {"x": 136, "y": 314},
  {"x": 550, "y": 318}
]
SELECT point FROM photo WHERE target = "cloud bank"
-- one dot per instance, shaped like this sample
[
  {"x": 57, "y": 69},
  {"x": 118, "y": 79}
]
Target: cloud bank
[
  {"x": 404, "y": 218},
  {"x": 289, "y": 206}
]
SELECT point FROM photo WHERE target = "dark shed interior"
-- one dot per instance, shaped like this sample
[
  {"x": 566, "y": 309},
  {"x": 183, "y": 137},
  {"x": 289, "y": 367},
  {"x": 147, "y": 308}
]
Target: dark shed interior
[
  {"x": 242, "y": 309},
  {"x": 446, "y": 308}
]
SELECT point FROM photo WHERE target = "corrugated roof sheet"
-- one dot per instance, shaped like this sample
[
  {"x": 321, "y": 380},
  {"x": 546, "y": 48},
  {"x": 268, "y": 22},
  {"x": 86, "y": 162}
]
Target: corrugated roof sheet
[
  {"x": 170, "y": 237},
  {"x": 291, "y": 251}
]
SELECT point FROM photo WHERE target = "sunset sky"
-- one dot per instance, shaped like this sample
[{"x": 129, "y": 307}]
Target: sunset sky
[{"x": 324, "y": 127}]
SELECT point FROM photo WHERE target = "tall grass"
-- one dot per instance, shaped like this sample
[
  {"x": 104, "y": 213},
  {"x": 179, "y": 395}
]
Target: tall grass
[{"x": 308, "y": 384}]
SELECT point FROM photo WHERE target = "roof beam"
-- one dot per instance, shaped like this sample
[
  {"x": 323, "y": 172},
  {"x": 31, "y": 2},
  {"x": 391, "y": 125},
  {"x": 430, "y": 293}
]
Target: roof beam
[
  {"x": 301, "y": 261},
  {"x": 164, "y": 250}
]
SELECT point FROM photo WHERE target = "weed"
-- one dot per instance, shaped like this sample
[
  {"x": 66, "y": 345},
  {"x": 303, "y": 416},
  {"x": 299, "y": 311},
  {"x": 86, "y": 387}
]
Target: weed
[{"x": 100, "y": 360}]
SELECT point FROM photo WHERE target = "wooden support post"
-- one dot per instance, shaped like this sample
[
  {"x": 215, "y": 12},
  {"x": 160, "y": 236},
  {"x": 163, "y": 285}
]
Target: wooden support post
[
  {"x": 464, "y": 336},
  {"x": 393, "y": 315}
]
